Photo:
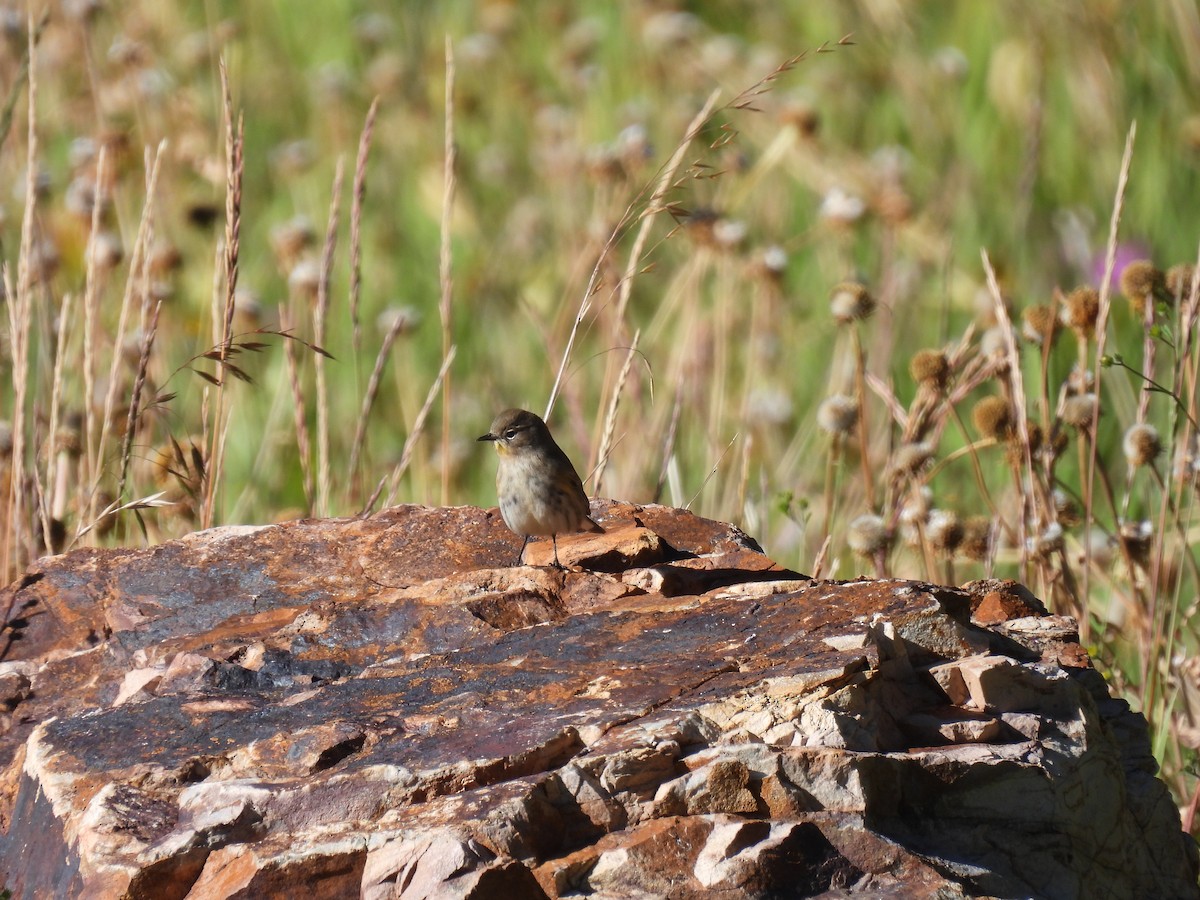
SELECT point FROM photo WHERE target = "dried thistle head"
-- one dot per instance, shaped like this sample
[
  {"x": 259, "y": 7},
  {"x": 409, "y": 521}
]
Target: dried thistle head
[
  {"x": 994, "y": 343},
  {"x": 909, "y": 459},
  {"x": 291, "y": 239},
  {"x": 976, "y": 538},
  {"x": 913, "y": 515},
  {"x": 1057, "y": 445},
  {"x": 838, "y": 414},
  {"x": 106, "y": 251},
  {"x": 699, "y": 225},
  {"x": 993, "y": 418},
  {"x": 850, "y": 301},
  {"x": 164, "y": 259},
  {"x": 1081, "y": 309},
  {"x": 892, "y": 203},
  {"x": 1141, "y": 445},
  {"x": 1138, "y": 539},
  {"x": 728, "y": 234},
  {"x": 1079, "y": 411},
  {"x": 1047, "y": 446},
  {"x": 930, "y": 368},
  {"x": 1140, "y": 283},
  {"x": 1179, "y": 280},
  {"x": 1066, "y": 510},
  {"x": 1080, "y": 380},
  {"x": 772, "y": 264},
  {"x": 69, "y": 438},
  {"x": 1185, "y": 467},
  {"x": 1039, "y": 324},
  {"x": 1047, "y": 543},
  {"x": 1014, "y": 452},
  {"x": 304, "y": 279},
  {"x": 801, "y": 115},
  {"x": 868, "y": 535},
  {"x": 944, "y": 530}
]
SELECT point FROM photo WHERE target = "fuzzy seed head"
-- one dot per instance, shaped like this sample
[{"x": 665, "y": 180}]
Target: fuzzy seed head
[
  {"x": 1140, "y": 281},
  {"x": 1179, "y": 281},
  {"x": 1014, "y": 452},
  {"x": 1080, "y": 381},
  {"x": 944, "y": 530},
  {"x": 1079, "y": 410},
  {"x": 838, "y": 414},
  {"x": 1186, "y": 468},
  {"x": 164, "y": 259},
  {"x": 68, "y": 440},
  {"x": 1049, "y": 542},
  {"x": 106, "y": 251},
  {"x": 774, "y": 262},
  {"x": 913, "y": 515},
  {"x": 304, "y": 279},
  {"x": 993, "y": 343},
  {"x": 849, "y": 301},
  {"x": 993, "y": 418},
  {"x": 1138, "y": 539},
  {"x": 931, "y": 368},
  {"x": 1058, "y": 443},
  {"x": 1038, "y": 324},
  {"x": 1066, "y": 510},
  {"x": 292, "y": 239},
  {"x": 911, "y": 458},
  {"x": 1081, "y": 309},
  {"x": 976, "y": 538},
  {"x": 868, "y": 535},
  {"x": 1142, "y": 445}
]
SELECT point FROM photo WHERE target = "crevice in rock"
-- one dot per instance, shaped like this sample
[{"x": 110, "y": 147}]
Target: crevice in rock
[{"x": 338, "y": 752}]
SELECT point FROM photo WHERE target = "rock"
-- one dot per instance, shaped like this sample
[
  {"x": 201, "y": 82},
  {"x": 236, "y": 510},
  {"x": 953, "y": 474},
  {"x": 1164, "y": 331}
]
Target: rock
[{"x": 384, "y": 708}]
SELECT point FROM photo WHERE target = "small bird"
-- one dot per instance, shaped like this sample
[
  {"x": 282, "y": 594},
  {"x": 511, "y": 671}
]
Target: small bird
[{"x": 540, "y": 491}]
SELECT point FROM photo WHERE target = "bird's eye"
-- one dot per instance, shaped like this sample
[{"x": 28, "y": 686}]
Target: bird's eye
[{"x": 510, "y": 434}]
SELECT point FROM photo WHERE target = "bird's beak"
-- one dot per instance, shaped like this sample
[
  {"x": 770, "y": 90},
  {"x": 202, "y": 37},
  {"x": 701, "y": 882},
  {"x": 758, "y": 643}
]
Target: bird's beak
[{"x": 486, "y": 437}]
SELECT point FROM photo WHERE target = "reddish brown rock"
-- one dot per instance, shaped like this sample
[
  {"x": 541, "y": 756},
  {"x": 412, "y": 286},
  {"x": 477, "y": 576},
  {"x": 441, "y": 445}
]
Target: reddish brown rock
[{"x": 384, "y": 708}]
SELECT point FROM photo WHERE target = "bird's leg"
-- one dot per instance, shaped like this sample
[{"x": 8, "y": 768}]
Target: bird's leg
[
  {"x": 521, "y": 555},
  {"x": 554, "y": 541}
]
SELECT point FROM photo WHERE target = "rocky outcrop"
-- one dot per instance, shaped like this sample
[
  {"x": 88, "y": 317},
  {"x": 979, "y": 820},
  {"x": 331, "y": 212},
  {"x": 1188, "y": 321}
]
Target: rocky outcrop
[{"x": 382, "y": 708}]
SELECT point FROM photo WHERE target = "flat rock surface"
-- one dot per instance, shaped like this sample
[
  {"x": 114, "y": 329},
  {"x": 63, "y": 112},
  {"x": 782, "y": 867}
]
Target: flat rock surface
[{"x": 386, "y": 707}]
